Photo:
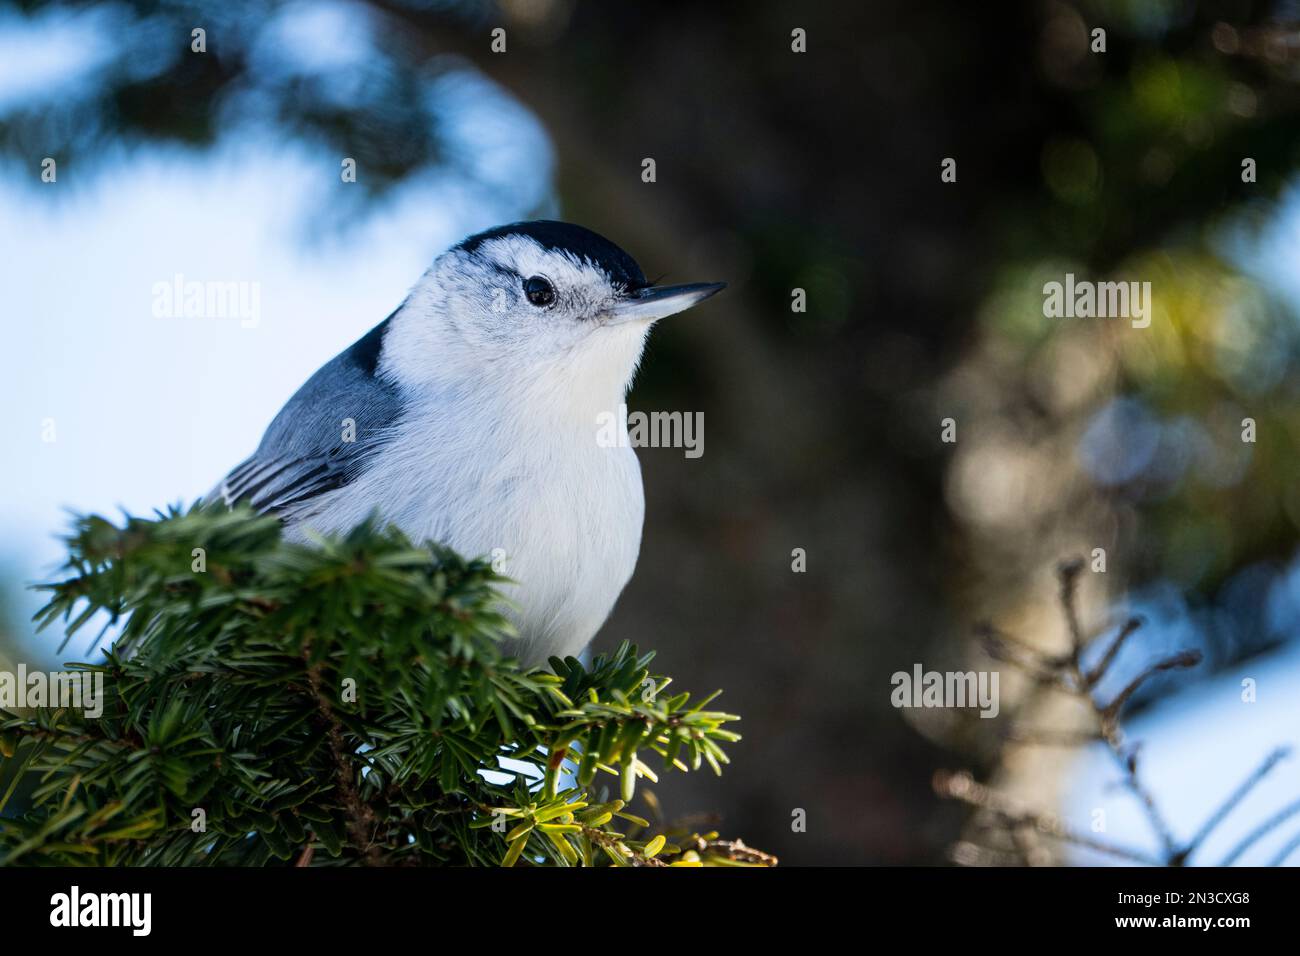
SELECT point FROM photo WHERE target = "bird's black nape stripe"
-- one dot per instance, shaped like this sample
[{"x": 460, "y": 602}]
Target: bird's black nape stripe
[
  {"x": 566, "y": 237},
  {"x": 364, "y": 352}
]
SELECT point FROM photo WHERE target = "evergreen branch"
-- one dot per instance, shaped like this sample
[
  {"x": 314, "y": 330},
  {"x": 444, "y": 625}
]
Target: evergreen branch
[{"x": 268, "y": 702}]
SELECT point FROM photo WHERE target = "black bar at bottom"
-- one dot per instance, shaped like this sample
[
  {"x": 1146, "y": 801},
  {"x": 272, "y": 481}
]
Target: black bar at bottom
[{"x": 330, "y": 906}]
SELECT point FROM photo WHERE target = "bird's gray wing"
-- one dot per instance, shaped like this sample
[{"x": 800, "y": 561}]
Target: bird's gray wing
[{"x": 304, "y": 453}]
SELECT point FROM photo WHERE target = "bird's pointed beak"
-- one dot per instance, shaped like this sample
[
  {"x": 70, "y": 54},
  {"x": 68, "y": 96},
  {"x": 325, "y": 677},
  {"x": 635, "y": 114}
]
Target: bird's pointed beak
[{"x": 657, "y": 302}]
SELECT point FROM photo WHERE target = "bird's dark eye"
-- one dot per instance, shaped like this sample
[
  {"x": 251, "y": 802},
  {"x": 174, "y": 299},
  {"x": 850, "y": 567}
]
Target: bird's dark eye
[{"x": 539, "y": 291}]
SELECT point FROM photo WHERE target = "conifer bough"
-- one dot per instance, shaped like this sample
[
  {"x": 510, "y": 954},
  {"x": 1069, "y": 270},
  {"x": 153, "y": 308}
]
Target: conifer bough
[{"x": 332, "y": 703}]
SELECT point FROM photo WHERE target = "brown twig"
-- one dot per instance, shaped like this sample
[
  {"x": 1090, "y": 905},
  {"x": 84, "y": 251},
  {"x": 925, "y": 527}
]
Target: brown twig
[
  {"x": 961, "y": 786},
  {"x": 1109, "y": 716},
  {"x": 1291, "y": 846},
  {"x": 735, "y": 850},
  {"x": 1128, "y": 764},
  {"x": 1235, "y": 798},
  {"x": 361, "y": 819},
  {"x": 1032, "y": 662},
  {"x": 1276, "y": 820},
  {"x": 1110, "y": 713},
  {"x": 1093, "y": 676},
  {"x": 598, "y": 836},
  {"x": 1066, "y": 673},
  {"x": 1069, "y": 576}
]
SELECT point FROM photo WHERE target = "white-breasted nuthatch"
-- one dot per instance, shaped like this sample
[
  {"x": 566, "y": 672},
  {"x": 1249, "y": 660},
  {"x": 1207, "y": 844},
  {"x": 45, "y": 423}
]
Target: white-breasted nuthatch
[{"x": 469, "y": 417}]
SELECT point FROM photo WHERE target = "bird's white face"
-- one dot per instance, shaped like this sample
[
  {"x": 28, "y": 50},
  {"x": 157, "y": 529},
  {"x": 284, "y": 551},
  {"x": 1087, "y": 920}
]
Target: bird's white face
[
  {"x": 511, "y": 295},
  {"x": 510, "y": 310}
]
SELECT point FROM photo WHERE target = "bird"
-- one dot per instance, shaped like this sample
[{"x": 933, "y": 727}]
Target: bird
[{"x": 469, "y": 417}]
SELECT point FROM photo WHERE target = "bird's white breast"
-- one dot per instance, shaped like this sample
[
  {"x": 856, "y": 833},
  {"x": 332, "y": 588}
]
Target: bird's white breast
[{"x": 561, "y": 514}]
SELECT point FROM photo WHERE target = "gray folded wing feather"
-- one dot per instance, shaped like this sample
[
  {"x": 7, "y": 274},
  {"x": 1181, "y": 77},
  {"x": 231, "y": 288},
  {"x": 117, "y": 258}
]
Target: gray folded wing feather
[{"x": 303, "y": 454}]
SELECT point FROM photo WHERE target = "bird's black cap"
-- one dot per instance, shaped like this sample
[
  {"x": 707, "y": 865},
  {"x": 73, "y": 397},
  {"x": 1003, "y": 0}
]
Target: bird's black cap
[{"x": 575, "y": 240}]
